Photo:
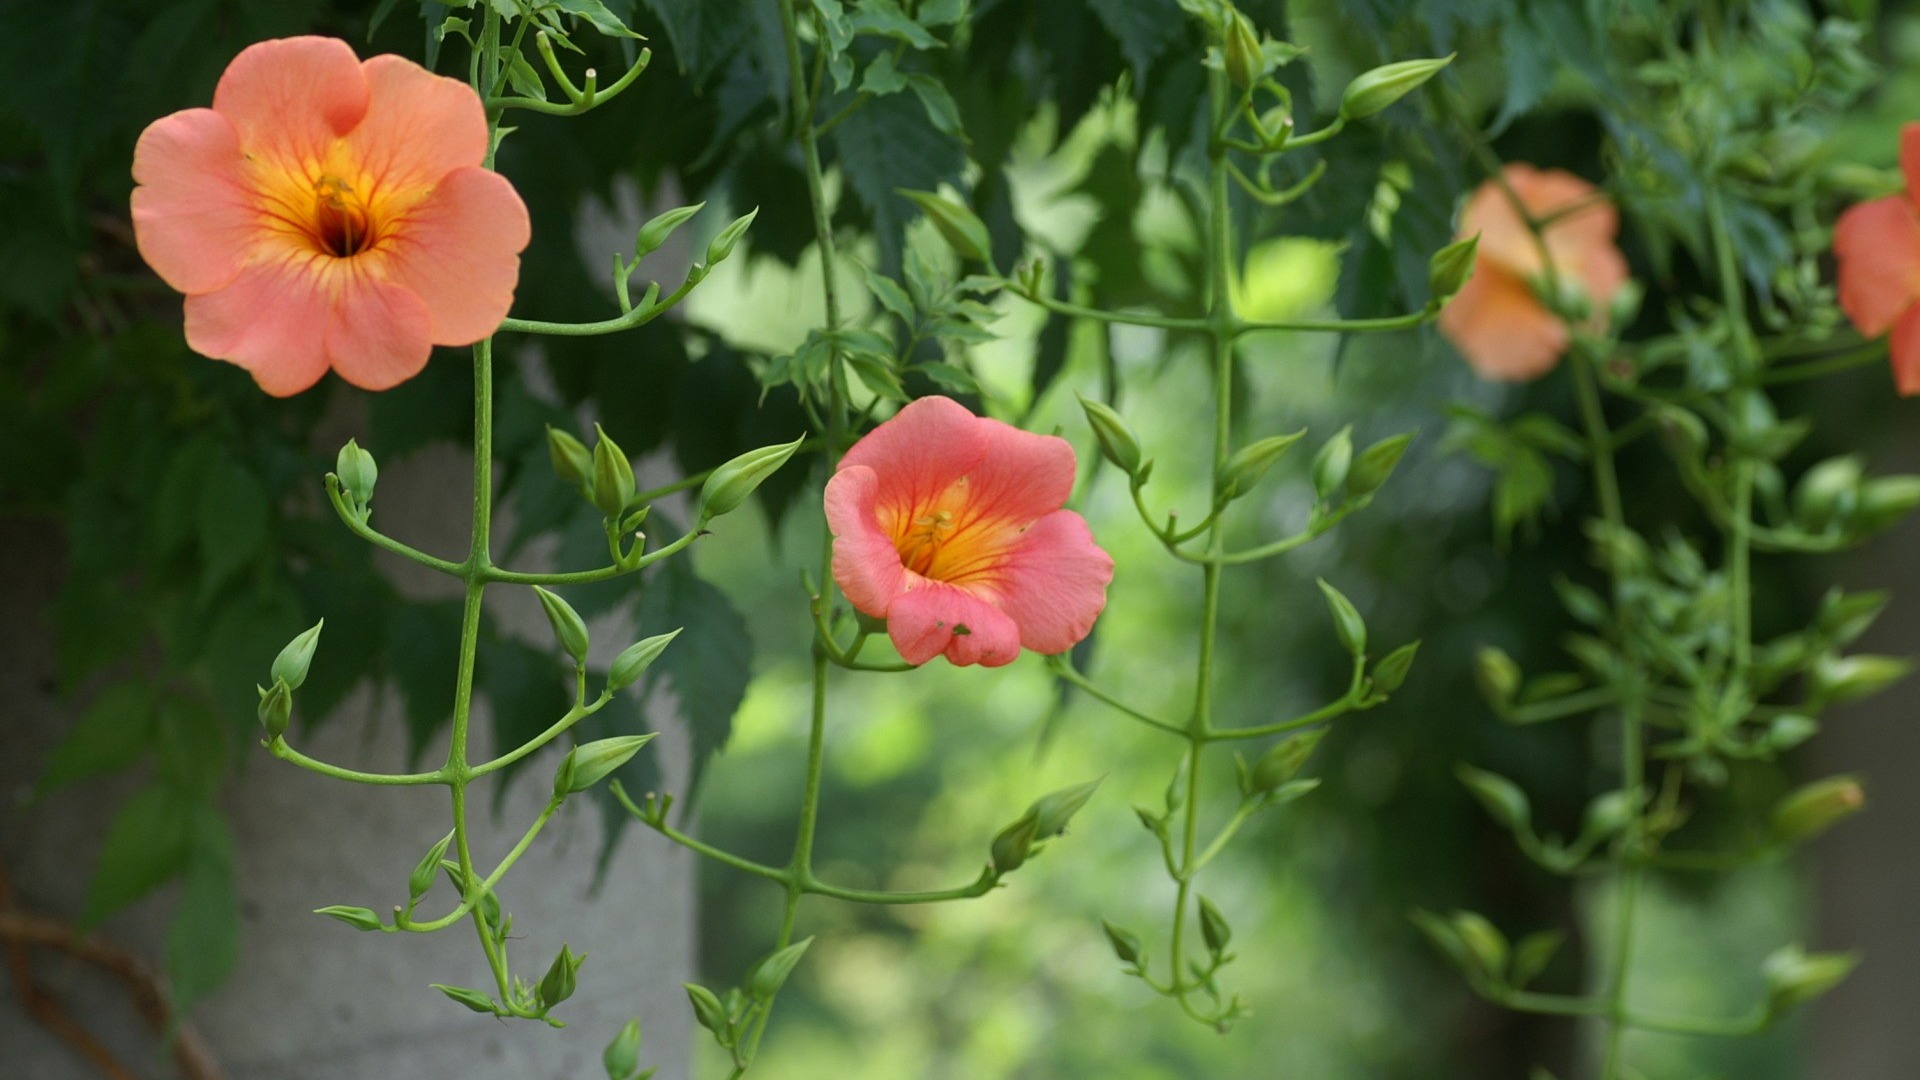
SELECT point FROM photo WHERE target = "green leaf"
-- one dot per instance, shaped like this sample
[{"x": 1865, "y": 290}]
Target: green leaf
[
  {"x": 960, "y": 227},
  {"x": 888, "y": 145},
  {"x": 883, "y": 18},
  {"x": 146, "y": 845},
  {"x": 941, "y": 110},
  {"x": 525, "y": 80},
  {"x": 1145, "y": 29},
  {"x": 203, "y": 943},
  {"x": 595, "y": 13},
  {"x": 711, "y": 661},
  {"x": 422, "y": 657},
  {"x": 882, "y": 77},
  {"x": 232, "y": 521},
  {"x": 112, "y": 734},
  {"x": 193, "y": 744},
  {"x": 527, "y": 691}
]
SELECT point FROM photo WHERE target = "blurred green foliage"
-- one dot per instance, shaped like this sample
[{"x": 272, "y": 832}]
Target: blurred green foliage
[{"x": 196, "y": 541}]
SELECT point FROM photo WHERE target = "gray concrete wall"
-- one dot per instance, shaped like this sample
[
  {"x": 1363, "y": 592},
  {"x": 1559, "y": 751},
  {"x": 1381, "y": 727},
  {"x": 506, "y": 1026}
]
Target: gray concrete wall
[{"x": 312, "y": 999}]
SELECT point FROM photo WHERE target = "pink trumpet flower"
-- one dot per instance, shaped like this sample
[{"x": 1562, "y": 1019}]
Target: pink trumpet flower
[
  {"x": 948, "y": 526},
  {"x": 1496, "y": 321},
  {"x": 329, "y": 213},
  {"x": 1877, "y": 244}
]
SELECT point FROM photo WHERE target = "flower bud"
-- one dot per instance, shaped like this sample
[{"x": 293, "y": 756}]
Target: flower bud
[
  {"x": 1373, "y": 91},
  {"x": 1504, "y": 800},
  {"x": 572, "y": 461},
  {"x": 1376, "y": 463},
  {"x": 1245, "y": 64},
  {"x": 589, "y": 763},
  {"x": 1817, "y": 807},
  {"x": 425, "y": 871},
  {"x": 1125, "y": 944},
  {"x": 1391, "y": 671},
  {"x": 635, "y": 659},
  {"x": 1827, "y": 491},
  {"x": 568, "y": 627},
  {"x": 657, "y": 229},
  {"x": 1884, "y": 500},
  {"x": 1450, "y": 267},
  {"x": 1117, "y": 441},
  {"x": 1244, "y": 468},
  {"x": 730, "y": 484},
  {"x": 1498, "y": 677},
  {"x": 1484, "y": 942},
  {"x": 959, "y": 226},
  {"x": 1607, "y": 814},
  {"x": 1788, "y": 730},
  {"x": 1352, "y": 629},
  {"x": 622, "y": 1056},
  {"x": 1213, "y": 927},
  {"x": 290, "y": 666},
  {"x": 357, "y": 917},
  {"x": 1014, "y": 843},
  {"x": 1283, "y": 762},
  {"x": 1331, "y": 463},
  {"x": 1053, "y": 811},
  {"x": 710, "y": 1013},
  {"x": 771, "y": 973},
  {"x": 472, "y": 999},
  {"x": 561, "y": 978},
  {"x": 357, "y": 472},
  {"x": 612, "y": 486},
  {"x": 722, "y": 245},
  {"x": 1795, "y": 977},
  {"x": 1839, "y": 679},
  {"x": 276, "y": 709}
]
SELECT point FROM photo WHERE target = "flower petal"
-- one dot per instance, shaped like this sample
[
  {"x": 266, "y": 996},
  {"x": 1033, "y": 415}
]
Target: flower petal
[
  {"x": 921, "y": 451},
  {"x": 1910, "y": 159},
  {"x": 271, "y": 320},
  {"x": 379, "y": 334},
  {"x": 1021, "y": 476},
  {"x": 937, "y": 618},
  {"x": 1877, "y": 244},
  {"x": 192, "y": 216},
  {"x": 458, "y": 250},
  {"x": 865, "y": 563},
  {"x": 1904, "y": 350},
  {"x": 1504, "y": 332},
  {"x": 1572, "y": 239},
  {"x": 1054, "y": 584},
  {"x": 293, "y": 97},
  {"x": 418, "y": 126}
]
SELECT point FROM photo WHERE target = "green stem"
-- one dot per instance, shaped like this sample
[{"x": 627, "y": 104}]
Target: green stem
[
  {"x": 978, "y": 887},
  {"x": 1064, "y": 670},
  {"x": 279, "y": 748},
  {"x": 560, "y": 726}
]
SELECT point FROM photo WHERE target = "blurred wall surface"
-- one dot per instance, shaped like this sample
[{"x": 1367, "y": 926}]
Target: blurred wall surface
[{"x": 311, "y": 998}]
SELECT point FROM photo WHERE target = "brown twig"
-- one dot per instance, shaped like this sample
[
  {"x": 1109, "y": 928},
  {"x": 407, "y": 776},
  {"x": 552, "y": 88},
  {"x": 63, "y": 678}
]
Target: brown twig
[{"x": 20, "y": 930}]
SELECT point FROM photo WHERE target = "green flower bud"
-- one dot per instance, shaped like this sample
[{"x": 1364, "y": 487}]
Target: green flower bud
[
  {"x": 1504, "y": 800},
  {"x": 1245, "y": 63},
  {"x": 771, "y": 973},
  {"x": 558, "y": 984},
  {"x": 622, "y": 1056},
  {"x": 710, "y": 1013},
  {"x": 357, "y": 917},
  {"x": 722, "y": 245},
  {"x": 589, "y": 763},
  {"x": 1450, "y": 267},
  {"x": 472, "y": 999},
  {"x": 657, "y": 229},
  {"x": 730, "y": 484},
  {"x": 1795, "y": 977},
  {"x": 1391, "y": 671},
  {"x": 1498, "y": 676},
  {"x": 572, "y": 461},
  {"x": 1331, "y": 463},
  {"x": 1283, "y": 762},
  {"x": 1607, "y": 814},
  {"x": 1376, "y": 464},
  {"x": 276, "y": 709},
  {"x": 421, "y": 880},
  {"x": 1533, "y": 954},
  {"x": 636, "y": 659},
  {"x": 1827, "y": 491},
  {"x": 1373, "y": 91},
  {"x": 1485, "y": 944},
  {"x": 959, "y": 226},
  {"x": 1347, "y": 624},
  {"x": 612, "y": 475},
  {"x": 1117, "y": 441},
  {"x": 1125, "y": 944},
  {"x": 1053, "y": 811},
  {"x": 1884, "y": 500},
  {"x": 357, "y": 472},
  {"x": 1213, "y": 927},
  {"x": 1014, "y": 843},
  {"x": 1788, "y": 730},
  {"x": 1814, "y": 808},
  {"x": 1838, "y": 679},
  {"x": 290, "y": 666},
  {"x": 568, "y": 627},
  {"x": 1244, "y": 468}
]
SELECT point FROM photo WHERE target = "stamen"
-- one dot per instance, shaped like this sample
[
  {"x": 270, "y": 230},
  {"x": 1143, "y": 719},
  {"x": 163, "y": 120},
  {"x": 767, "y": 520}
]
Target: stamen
[
  {"x": 922, "y": 543},
  {"x": 341, "y": 225}
]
